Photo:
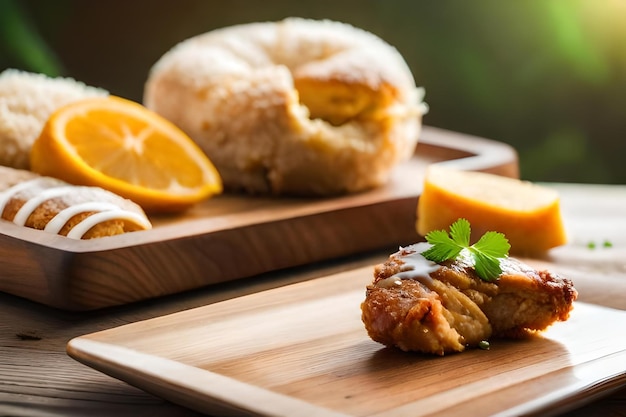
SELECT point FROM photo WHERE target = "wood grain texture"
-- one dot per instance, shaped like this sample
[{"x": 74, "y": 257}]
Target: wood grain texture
[
  {"x": 37, "y": 378},
  {"x": 232, "y": 236},
  {"x": 303, "y": 347}
]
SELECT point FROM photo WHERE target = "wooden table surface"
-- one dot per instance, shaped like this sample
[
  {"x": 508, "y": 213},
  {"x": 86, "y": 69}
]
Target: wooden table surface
[{"x": 37, "y": 378}]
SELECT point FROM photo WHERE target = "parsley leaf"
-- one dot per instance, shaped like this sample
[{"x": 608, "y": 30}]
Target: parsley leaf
[
  {"x": 443, "y": 247},
  {"x": 486, "y": 253}
]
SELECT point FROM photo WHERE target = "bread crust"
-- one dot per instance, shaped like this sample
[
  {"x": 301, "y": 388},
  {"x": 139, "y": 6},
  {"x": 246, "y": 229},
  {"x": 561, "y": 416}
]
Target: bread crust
[{"x": 300, "y": 107}]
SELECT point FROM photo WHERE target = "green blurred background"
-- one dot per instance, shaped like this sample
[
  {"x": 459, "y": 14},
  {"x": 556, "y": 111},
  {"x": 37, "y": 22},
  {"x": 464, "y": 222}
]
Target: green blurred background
[{"x": 546, "y": 76}]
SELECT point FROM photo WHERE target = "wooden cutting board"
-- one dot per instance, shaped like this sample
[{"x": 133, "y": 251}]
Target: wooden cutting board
[
  {"x": 232, "y": 236},
  {"x": 302, "y": 350}
]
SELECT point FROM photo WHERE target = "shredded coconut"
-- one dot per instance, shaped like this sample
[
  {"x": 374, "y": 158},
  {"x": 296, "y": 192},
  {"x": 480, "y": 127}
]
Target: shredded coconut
[{"x": 26, "y": 102}]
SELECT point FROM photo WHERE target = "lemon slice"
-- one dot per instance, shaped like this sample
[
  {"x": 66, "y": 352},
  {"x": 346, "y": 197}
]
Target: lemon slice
[
  {"x": 121, "y": 146},
  {"x": 528, "y": 214}
]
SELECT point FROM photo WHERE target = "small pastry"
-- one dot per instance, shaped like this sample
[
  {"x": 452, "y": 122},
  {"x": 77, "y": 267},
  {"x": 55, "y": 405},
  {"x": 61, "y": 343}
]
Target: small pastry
[{"x": 54, "y": 206}]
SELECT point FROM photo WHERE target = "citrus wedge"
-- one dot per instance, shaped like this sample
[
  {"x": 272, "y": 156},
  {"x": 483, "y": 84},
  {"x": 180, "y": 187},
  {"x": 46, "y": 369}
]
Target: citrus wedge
[
  {"x": 528, "y": 214},
  {"x": 121, "y": 146}
]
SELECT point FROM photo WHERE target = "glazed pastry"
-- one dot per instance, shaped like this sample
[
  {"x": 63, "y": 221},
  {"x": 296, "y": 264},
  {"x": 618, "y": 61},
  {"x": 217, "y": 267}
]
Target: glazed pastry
[
  {"x": 54, "y": 206},
  {"x": 299, "y": 106}
]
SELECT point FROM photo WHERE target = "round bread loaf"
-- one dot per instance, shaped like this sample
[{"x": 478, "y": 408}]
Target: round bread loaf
[{"x": 298, "y": 107}]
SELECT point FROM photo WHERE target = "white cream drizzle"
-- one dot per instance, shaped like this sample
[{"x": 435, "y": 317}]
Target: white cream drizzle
[
  {"x": 6, "y": 195},
  {"x": 83, "y": 227},
  {"x": 53, "y": 188},
  {"x": 415, "y": 267},
  {"x": 57, "y": 222},
  {"x": 31, "y": 205}
]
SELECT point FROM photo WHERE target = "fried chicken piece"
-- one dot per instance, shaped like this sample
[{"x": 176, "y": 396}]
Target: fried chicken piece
[{"x": 417, "y": 305}]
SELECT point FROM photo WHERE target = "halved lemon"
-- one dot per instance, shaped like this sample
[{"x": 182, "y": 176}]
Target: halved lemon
[{"x": 121, "y": 146}]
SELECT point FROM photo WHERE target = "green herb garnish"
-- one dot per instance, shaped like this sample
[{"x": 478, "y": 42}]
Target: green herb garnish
[
  {"x": 606, "y": 244},
  {"x": 486, "y": 253}
]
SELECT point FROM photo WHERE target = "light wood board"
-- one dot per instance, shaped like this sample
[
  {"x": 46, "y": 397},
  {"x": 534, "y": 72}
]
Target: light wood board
[
  {"x": 232, "y": 236},
  {"x": 302, "y": 350}
]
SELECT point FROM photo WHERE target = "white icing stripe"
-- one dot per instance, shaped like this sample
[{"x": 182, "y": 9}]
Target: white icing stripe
[
  {"x": 7, "y": 194},
  {"x": 57, "y": 222},
  {"x": 53, "y": 188},
  {"x": 83, "y": 227},
  {"x": 29, "y": 207}
]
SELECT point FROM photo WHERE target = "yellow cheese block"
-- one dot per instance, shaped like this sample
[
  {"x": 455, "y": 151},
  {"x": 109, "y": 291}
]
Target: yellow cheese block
[{"x": 528, "y": 214}]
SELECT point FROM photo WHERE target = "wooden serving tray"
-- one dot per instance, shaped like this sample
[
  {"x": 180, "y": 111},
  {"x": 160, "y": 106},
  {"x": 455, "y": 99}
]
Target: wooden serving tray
[
  {"x": 302, "y": 350},
  {"x": 232, "y": 236}
]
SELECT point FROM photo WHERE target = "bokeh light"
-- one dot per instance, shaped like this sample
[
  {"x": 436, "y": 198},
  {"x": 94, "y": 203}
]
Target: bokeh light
[{"x": 546, "y": 76}]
